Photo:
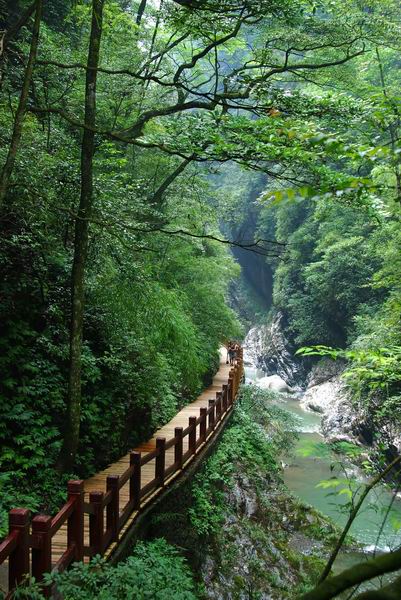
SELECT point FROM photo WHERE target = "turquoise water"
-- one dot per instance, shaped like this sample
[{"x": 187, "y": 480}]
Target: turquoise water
[{"x": 303, "y": 474}]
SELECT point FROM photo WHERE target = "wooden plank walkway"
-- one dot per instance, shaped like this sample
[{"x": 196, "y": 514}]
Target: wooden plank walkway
[
  {"x": 98, "y": 481},
  {"x": 100, "y": 510}
]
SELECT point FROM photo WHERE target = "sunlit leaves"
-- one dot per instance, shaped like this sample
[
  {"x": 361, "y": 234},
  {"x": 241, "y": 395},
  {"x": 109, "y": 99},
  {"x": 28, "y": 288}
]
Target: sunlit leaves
[{"x": 377, "y": 369}]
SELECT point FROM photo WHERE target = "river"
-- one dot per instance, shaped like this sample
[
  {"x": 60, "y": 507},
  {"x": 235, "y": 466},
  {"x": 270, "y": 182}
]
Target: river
[{"x": 304, "y": 472}]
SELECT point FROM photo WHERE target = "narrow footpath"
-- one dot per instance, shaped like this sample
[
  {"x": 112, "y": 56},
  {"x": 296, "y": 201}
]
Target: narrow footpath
[
  {"x": 98, "y": 482},
  {"x": 100, "y": 511}
]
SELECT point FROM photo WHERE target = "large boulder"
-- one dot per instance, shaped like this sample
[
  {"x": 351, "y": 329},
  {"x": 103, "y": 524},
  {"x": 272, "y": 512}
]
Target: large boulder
[
  {"x": 327, "y": 394},
  {"x": 275, "y": 383}
]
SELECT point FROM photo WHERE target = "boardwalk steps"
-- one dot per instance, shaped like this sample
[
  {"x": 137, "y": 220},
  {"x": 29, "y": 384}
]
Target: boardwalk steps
[{"x": 100, "y": 511}]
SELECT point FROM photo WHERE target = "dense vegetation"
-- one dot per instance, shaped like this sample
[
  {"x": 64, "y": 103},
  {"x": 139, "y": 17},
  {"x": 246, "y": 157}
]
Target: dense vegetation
[
  {"x": 155, "y": 303},
  {"x": 337, "y": 209},
  {"x": 227, "y": 522},
  {"x": 154, "y": 570},
  {"x": 340, "y": 284},
  {"x": 139, "y": 141}
]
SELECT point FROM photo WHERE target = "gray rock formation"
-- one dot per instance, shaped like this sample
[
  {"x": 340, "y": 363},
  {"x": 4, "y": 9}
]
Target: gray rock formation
[
  {"x": 275, "y": 383},
  {"x": 268, "y": 348},
  {"x": 256, "y": 523},
  {"x": 326, "y": 394}
]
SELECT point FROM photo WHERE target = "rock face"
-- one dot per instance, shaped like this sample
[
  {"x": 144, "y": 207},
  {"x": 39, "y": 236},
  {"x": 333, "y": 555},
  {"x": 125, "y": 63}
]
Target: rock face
[
  {"x": 326, "y": 394},
  {"x": 268, "y": 348},
  {"x": 275, "y": 383},
  {"x": 264, "y": 531},
  {"x": 325, "y": 391}
]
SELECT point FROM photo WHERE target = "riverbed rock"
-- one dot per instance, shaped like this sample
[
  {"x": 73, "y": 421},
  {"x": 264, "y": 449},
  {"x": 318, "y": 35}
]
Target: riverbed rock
[
  {"x": 275, "y": 383},
  {"x": 268, "y": 348},
  {"x": 326, "y": 394},
  {"x": 325, "y": 370},
  {"x": 325, "y": 397}
]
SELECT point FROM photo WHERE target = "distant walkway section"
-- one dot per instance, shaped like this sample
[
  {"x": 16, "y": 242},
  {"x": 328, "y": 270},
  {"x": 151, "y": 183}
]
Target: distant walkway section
[{"x": 100, "y": 510}]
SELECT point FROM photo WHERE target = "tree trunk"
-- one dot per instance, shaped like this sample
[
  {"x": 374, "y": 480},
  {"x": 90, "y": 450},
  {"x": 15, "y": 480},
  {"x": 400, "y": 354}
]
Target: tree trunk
[
  {"x": 141, "y": 10},
  {"x": 158, "y": 196},
  {"x": 332, "y": 587},
  {"x": 14, "y": 29},
  {"x": 23, "y": 100},
  {"x": 72, "y": 426}
]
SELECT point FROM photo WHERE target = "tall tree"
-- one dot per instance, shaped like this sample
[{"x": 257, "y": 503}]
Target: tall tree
[
  {"x": 22, "y": 104},
  {"x": 72, "y": 425},
  {"x": 181, "y": 86}
]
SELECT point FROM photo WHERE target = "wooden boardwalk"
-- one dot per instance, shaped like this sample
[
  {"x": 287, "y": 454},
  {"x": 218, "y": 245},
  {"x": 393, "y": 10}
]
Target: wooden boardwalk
[
  {"x": 98, "y": 481},
  {"x": 100, "y": 510}
]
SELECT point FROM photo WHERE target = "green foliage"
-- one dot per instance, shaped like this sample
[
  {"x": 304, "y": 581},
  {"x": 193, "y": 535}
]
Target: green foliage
[
  {"x": 324, "y": 281},
  {"x": 156, "y": 304},
  {"x": 154, "y": 570},
  {"x": 373, "y": 375},
  {"x": 315, "y": 449},
  {"x": 156, "y": 282},
  {"x": 244, "y": 446},
  {"x": 376, "y": 368}
]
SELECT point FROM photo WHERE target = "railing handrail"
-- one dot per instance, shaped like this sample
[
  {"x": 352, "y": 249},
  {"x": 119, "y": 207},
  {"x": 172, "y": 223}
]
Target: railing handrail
[
  {"x": 103, "y": 532},
  {"x": 8, "y": 545}
]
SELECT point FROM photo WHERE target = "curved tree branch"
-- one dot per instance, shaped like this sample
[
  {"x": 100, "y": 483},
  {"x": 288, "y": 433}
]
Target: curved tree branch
[
  {"x": 332, "y": 587},
  {"x": 389, "y": 592},
  {"x": 354, "y": 513}
]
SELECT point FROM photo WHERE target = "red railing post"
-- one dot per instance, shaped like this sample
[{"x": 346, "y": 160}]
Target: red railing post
[
  {"x": 42, "y": 549},
  {"x": 75, "y": 526},
  {"x": 218, "y": 406},
  {"x": 241, "y": 362},
  {"x": 232, "y": 377},
  {"x": 192, "y": 435},
  {"x": 178, "y": 448},
  {"x": 211, "y": 414},
  {"x": 203, "y": 424},
  {"x": 230, "y": 391},
  {"x": 135, "y": 480},
  {"x": 160, "y": 460},
  {"x": 113, "y": 508},
  {"x": 96, "y": 523},
  {"x": 225, "y": 397},
  {"x": 18, "y": 563}
]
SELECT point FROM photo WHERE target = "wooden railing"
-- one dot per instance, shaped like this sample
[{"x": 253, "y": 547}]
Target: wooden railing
[{"x": 28, "y": 546}]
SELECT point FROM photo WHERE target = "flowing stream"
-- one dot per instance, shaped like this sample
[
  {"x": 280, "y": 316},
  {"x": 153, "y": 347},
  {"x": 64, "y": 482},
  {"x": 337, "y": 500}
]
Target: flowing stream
[{"x": 304, "y": 473}]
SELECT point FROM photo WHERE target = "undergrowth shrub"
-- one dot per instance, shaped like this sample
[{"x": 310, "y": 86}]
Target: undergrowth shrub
[
  {"x": 155, "y": 570},
  {"x": 259, "y": 432}
]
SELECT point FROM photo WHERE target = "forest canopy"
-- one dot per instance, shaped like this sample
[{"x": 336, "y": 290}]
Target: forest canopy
[{"x": 139, "y": 141}]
